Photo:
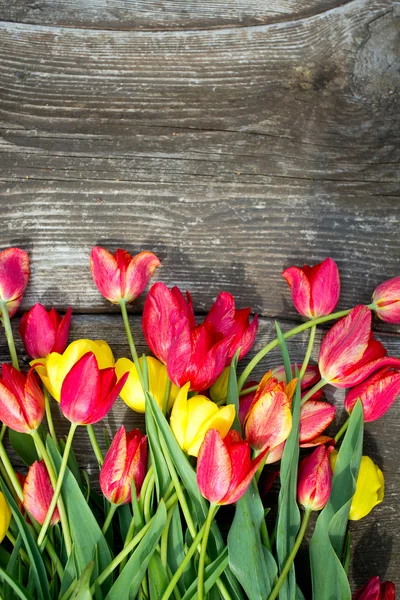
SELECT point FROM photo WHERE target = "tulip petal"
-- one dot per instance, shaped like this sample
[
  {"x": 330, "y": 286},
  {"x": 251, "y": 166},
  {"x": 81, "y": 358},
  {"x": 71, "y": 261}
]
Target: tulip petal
[
  {"x": 106, "y": 274},
  {"x": 315, "y": 417},
  {"x": 300, "y": 289},
  {"x": 37, "y": 331},
  {"x": 244, "y": 484},
  {"x": 214, "y": 469},
  {"x": 221, "y": 420},
  {"x": 179, "y": 416},
  {"x": 81, "y": 389},
  {"x": 325, "y": 287},
  {"x": 14, "y": 276},
  {"x": 12, "y": 413},
  {"x": 269, "y": 421},
  {"x": 369, "y": 489},
  {"x": 387, "y": 299},
  {"x": 105, "y": 403},
  {"x": 318, "y": 441},
  {"x": 38, "y": 493},
  {"x": 5, "y": 516},
  {"x": 140, "y": 269},
  {"x": 377, "y": 394},
  {"x": 315, "y": 479},
  {"x": 62, "y": 332}
]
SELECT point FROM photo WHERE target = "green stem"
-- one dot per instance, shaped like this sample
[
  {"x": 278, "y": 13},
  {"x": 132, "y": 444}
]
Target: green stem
[
  {"x": 291, "y": 556},
  {"x": 342, "y": 430},
  {"x": 147, "y": 500},
  {"x": 166, "y": 396},
  {"x": 313, "y": 390},
  {"x": 109, "y": 517},
  {"x": 2, "y": 432},
  {"x": 95, "y": 444},
  {"x": 131, "y": 342},
  {"x": 200, "y": 577},
  {"x": 53, "y": 478},
  {"x": 248, "y": 390},
  {"x": 146, "y": 482},
  {"x": 9, "y": 334},
  {"x": 274, "y": 343},
  {"x": 57, "y": 490},
  {"x": 50, "y": 418},
  {"x": 10, "y": 472},
  {"x": 307, "y": 357}
]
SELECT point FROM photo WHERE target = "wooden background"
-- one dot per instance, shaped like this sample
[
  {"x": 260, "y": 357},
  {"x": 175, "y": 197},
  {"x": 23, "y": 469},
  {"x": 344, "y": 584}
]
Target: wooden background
[{"x": 233, "y": 139}]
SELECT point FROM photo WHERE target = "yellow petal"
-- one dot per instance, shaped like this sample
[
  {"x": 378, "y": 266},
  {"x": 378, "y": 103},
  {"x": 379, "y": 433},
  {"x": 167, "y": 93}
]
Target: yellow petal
[
  {"x": 5, "y": 516},
  {"x": 200, "y": 410},
  {"x": 219, "y": 390},
  {"x": 158, "y": 378},
  {"x": 179, "y": 415},
  {"x": 132, "y": 392},
  {"x": 221, "y": 421},
  {"x": 369, "y": 489}
]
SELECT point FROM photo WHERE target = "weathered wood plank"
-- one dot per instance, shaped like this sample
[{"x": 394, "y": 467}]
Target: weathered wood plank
[{"x": 376, "y": 539}]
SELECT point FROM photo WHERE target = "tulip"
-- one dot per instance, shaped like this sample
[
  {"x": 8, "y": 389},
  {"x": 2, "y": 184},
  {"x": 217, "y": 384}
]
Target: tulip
[
  {"x": 224, "y": 468},
  {"x": 310, "y": 377},
  {"x": 14, "y": 276},
  {"x": 88, "y": 392},
  {"x": 121, "y": 276},
  {"x": 315, "y": 479},
  {"x": 22, "y": 404},
  {"x": 386, "y": 300},
  {"x": 38, "y": 493},
  {"x": 125, "y": 462},
  {"x": 44, "y": 332},
  {"x": 377, "y": 394},
  {"x": 375, "y": 590},
  {"x": 349, "y": 353},
  {"x": 54, "y": 368},
  {"x": 192, "y": 418},
  {"x": 5, "y": 517},
  {"x": 269, "y": 419},
  {"x": 132, "y": 392},
  {"x": 315, "y": 290},
  {"x": 195, "y": 354}
]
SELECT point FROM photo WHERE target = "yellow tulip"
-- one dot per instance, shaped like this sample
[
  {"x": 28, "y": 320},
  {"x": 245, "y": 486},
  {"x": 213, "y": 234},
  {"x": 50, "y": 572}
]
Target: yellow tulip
[
  {"x": 5, "y": 516},
  {"x": 370, "y": 487},
  {"x": 132, "y": 392},
  {"x": 219, "y": 390},
  {"x": 191, "y": 419},
  {"x": 53, "y": 369}
]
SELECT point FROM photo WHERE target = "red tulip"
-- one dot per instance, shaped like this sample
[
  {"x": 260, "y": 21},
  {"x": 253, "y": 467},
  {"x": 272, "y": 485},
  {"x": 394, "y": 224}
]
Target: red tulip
[
  {"x": 224, "y": 468},
  {"x": 315, "y": 479},
  {"x": 386, "y": 298},
  {"x": 377, "y": 394},
  {"x": 349, "y": 353},
  {"x": 44, "y": 331},
  {"x": 375, "y": 590},
  {"x": 22, "y": 403},
  {"x": 87, "y": 392},
  {"x": 315, "y": 290},
  {"x": 193, "y": 353},
  {"x": 38, "y": 493},
  {"x": 227, "y": 322},
  {"x": 121, "y": 276},
  {"x": 14, "y": 275},
  {"x": 125, "y": 461}
]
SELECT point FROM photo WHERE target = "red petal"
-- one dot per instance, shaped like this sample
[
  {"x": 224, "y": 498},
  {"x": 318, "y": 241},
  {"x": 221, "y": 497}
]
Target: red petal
[
  {"x": 105, "y": 403},
  {"x": 38, "y": 493},
  {"x": 62, "y": 332},
  {"x": 37, "y": 332},
  {"x": 377, "y": 394},
  {"x": 14, "y": 276},
  {"x": 244, "y": 484},
  {"x": 214, "y": 469},
  {"x": 140, "y": 269},
  {"x": 106, "y": 274},
  {"x": 315, "y": 417},
  {"x": 269, "y": 421},
  {"x": 81, "y": 391},
  {"x": 325, "y": 287},
  {"x": 370, "y": 591},
  {"x": 300, "y": 289}
]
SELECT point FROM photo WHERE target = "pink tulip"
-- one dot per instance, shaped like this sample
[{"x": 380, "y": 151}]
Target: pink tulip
[
  {"x": 315, "y": 290},
  {"x": 315, "y": 479},
  {"x": 377, "y": 394},
  {"x": 349, "y": 353},
  {"x": 38, "y": 493},
  {"x": 224, "y": 468},
  {"x": 44, "y": 331},
  {"x": 14, "y": 276},
  {"x": 87, "y": 392},
  {"x": 125, "y": 461},
  {"x": 22, "y": 404},
  {"x": 387, "y": 300},
  {"x": 121, "y": 276},
  {"x": 375, "y": 590}
]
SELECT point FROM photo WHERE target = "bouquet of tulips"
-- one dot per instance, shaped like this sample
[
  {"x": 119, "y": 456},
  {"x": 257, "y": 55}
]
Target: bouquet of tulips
[{"x": 160, "y": 527}]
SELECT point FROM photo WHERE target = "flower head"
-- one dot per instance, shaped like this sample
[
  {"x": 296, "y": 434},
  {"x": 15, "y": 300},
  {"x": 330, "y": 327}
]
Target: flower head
[
  {"x": 44, "y": 331},
  {"x": 14, "y": 276},
  {"x": 38, "y": 493},
  {"x": 315, "y": 479},
  {"x": 22, "y": 404},
  {"x": 377, "y": 393},
  {"x": 386, "y": 298},
  {"x": 375, "y": 590}
]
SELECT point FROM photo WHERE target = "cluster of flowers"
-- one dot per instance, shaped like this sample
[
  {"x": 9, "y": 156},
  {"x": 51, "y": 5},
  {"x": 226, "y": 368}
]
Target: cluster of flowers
[{"x": 232, "y": 428}]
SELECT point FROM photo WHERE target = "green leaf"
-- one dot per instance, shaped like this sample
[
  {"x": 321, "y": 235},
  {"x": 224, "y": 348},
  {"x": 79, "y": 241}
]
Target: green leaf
[
  {"x": 329, "y": 578},
  {"x": 82, "y": 590},
  {"x": 346, "y": 554},
  {"x": 299, "y": 594},
  {"x": 17, "y": 587},
  {"x": 12, "y": 568},
  {"x": 233, "y": 392},
  {"x": 128, "y": 583},
  {"x": 70, "y": 572},
  {"x": 23, "y": 445},
  {"x": 251, "y": 563},
  {"x": 72, "y": 463},
  {"x": 211, "y": 573},
  {"x": 37, "y": 567},
  {"x": 175, "y": 546},
  {"x": 158, "y": 578},
  {"x": 285, "y": 353},
  {"x": 85, "y": 531},
  {"x": 288, "y": 521},
  {"x": 161, "y": 473},
  {"x": 125, "y": 518}
]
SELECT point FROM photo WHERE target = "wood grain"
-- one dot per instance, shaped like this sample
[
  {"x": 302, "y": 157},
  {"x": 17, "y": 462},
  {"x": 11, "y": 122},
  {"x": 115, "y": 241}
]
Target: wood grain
[{"x": 380, "y": 530}]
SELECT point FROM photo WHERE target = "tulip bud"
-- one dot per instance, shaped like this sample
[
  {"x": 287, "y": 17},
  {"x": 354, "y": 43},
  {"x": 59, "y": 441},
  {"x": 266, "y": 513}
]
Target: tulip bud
[
  {"x": 88, "y": 392},
  {"x": 121, "y": 276},
  {"x": 54, "y": 368},
  {"x": 191, "y": 419},
  {"x": 386, "y": 299},
  {"x": 44, "y": 332},
  {"x": 38, "y": 493},
  {"x": 349, "y": 353},
  {"x": 132, "y": 392},
  {"x": 14, "y": 276},
  {"x": 377, "y": 394},
  {"x": 219, "y": 389},
  {"x": 315, "y": 290},
  {"x": 375, "y": 590},
  {"x": 224, "y": 468},
  {"x": 22, "y": 404},
  {"x": 5, "y": 517},
  {"x": 125, "y": 461},
  {"x": 315, "y": 479}
]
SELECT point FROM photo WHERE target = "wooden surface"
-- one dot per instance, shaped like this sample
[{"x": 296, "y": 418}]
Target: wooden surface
[{"x": 231, "y": 138}]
